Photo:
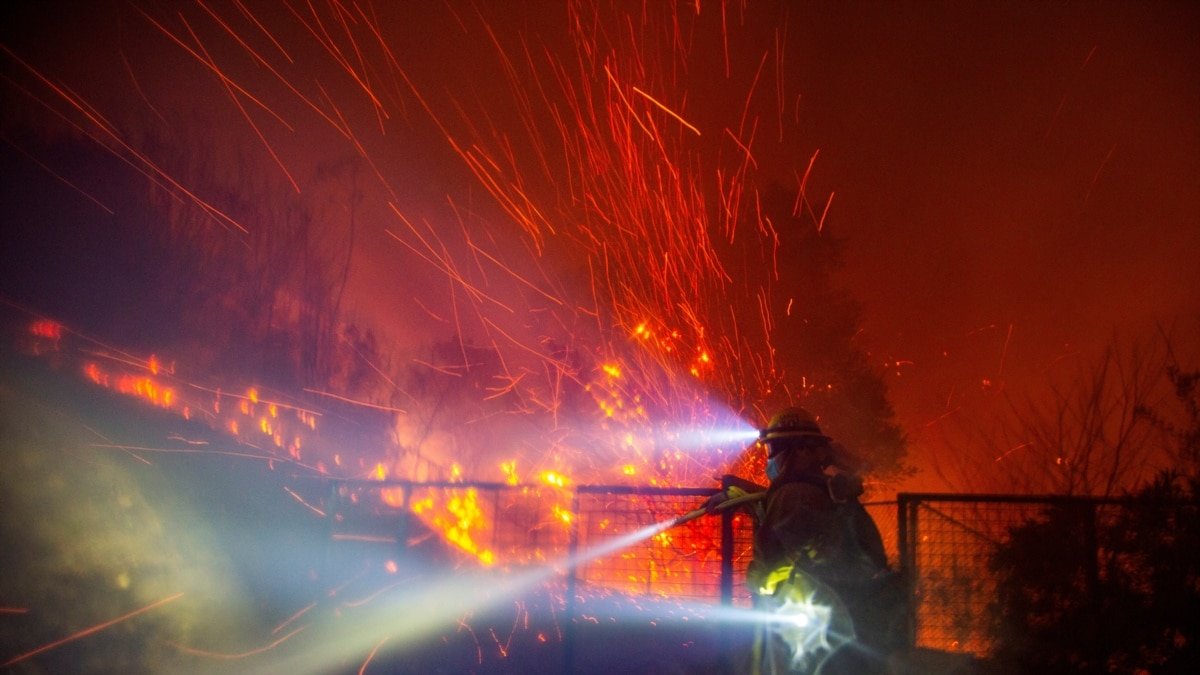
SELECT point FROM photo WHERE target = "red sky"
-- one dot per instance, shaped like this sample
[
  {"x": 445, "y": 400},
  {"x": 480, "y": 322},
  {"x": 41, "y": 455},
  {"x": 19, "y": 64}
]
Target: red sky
[{"x": 1023, "y": 167}]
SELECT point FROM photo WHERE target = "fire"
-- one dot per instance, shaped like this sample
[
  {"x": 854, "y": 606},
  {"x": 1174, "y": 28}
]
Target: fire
[
  {"x": 459, "y": 520},
  {"x": 563, "y": 514},
  {"x": 146, "y": 388},
  {"x": 510, "y": 472},
  {"x": 149, "y": 380}
]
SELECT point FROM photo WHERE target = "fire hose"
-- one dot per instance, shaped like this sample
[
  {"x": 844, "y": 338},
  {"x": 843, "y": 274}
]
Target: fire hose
[{"x": 745, "y": 498}]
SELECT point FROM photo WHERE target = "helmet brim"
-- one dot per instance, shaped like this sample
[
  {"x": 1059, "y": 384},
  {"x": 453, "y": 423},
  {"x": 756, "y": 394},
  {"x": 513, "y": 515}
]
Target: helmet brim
[{"x": 781, "y": 435}]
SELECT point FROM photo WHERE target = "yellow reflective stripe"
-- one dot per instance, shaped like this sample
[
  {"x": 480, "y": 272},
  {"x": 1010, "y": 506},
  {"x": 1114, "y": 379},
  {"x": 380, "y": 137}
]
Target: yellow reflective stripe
[{"x": 773, "y": 578}]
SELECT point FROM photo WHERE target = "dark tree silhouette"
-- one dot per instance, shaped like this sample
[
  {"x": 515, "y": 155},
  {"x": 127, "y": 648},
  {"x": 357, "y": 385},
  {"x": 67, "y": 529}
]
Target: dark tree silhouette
[
  {"x": 821, "y": 365},
  {"x": 1090, "y": 434},
  {"x": 1108, "y": 587}
]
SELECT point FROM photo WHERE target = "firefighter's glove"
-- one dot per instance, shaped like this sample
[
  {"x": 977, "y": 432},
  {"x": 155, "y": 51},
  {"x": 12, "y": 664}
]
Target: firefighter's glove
[{"x": 711, "y": 504}]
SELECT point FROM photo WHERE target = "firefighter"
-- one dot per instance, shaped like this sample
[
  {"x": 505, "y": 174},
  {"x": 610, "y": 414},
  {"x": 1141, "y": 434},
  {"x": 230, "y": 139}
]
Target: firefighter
[{"x": 817, "y": 555}]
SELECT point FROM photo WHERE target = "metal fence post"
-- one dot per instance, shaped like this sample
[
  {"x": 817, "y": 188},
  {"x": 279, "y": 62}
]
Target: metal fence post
[
  {"x": 726, "y": 551},
  {"x": 572, "y": 551},
  {"x": 906, "y": 542}
]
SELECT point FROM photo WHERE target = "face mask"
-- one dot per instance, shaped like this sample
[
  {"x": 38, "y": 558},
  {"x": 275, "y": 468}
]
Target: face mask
[{"x": 772, "y": 468}]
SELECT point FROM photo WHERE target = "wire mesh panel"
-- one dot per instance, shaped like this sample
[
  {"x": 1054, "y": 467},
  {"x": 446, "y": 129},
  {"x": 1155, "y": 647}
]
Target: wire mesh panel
[
  {"x": 683, "y": 561},
  {"x": 968, "y": 558},
  {"x": 531, "y": 525},
  {"x": 741, "y": 549},
  {"x": 951, "y": 544},
  {"x": 492, "y": 522}
]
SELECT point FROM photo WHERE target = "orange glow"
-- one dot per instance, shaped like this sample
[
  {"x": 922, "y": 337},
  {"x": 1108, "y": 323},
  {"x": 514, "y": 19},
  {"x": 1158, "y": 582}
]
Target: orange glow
[
  {"x": 563, "y": 514},
  {"x": 459, "y": 520},
  {"x": 93, "y": 373},
  {"x": 393, "y": 497},
  {"x": 45, "y": 328},
  {"x": 510, "y": 472}
]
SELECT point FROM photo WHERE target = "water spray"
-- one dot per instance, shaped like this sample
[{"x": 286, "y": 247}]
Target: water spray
[{"x": 406, "y": 618}]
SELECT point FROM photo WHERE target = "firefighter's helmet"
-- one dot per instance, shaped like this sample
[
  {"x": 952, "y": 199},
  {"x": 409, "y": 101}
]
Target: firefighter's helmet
[{"x": 791, "y": 423}]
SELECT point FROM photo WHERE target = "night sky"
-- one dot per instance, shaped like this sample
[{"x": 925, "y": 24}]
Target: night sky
[{"x": 1013, "y": 180}]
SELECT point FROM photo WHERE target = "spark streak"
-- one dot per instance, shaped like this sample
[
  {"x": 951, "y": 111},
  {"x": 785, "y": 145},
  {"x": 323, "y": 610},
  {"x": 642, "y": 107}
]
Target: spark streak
[
  {"x": 670, "y": 112},
  {"x": 89, "y": 631}
]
